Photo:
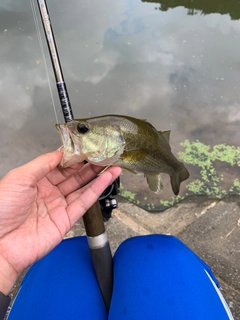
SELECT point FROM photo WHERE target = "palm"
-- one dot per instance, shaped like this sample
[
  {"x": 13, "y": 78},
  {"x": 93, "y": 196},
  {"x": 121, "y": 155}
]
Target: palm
[
  {"x": 37, "y": 210},
  {"x": 39, "y": 220}
]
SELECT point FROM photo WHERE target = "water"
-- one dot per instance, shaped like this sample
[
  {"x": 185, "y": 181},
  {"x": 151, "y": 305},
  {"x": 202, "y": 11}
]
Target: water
[{"x": 178, "y": 66}]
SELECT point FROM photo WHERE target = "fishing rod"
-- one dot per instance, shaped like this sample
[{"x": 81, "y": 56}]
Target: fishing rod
[{"x": 93, "y": 221}]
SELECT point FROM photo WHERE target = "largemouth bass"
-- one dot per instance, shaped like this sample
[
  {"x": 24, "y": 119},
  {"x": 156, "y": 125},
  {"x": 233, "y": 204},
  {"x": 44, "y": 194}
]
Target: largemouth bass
[{"x": 123, "y": 141}]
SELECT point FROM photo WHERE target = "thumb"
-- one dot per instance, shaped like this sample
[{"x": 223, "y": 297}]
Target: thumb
[{"x": 39, "y": 167}]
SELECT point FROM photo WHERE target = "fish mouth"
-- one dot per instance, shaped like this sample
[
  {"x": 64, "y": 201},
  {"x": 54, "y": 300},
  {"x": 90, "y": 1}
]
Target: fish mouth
[
  {"x": 68, "y": 143},
  {"x": 70, "y": 148}
]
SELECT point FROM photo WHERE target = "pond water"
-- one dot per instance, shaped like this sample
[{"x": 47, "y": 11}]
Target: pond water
[{"x": 174, "y": 63}]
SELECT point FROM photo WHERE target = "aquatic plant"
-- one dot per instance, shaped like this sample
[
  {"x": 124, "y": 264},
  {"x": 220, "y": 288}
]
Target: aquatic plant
[
  {"x": 201, "y": 155},
  {"x": 128, "y": 194},
  {"x": 169, "y": 203},
  {"x": 210, "y": 179}
]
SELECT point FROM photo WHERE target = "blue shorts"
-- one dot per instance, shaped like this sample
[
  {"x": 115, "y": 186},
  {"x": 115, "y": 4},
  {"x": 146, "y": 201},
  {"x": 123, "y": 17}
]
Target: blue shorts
[{"x": 155, "y": 277}]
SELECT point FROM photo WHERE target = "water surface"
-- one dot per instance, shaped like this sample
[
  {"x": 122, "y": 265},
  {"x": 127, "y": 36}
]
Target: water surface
[{"x": 174, "y": 63}]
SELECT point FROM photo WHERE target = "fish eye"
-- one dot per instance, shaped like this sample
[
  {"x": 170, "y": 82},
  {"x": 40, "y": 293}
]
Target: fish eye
[{"x": 82, "y": 128}]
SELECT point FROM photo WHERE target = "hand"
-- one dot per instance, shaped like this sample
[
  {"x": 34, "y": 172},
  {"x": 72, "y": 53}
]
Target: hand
[{"x": 39, "y": 203}]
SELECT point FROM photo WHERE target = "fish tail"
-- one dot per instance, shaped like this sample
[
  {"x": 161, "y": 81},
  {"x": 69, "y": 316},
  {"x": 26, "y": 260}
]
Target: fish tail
[{"x": 176, "y": 179}]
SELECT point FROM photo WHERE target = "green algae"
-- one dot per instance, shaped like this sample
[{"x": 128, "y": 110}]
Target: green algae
[
  {"x": 128, "y": 195},
  {"x": 213, "y": 162},
  {"x": 204, "y": 156}
]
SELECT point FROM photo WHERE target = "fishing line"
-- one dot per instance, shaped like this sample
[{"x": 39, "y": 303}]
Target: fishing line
[{"x": 35, "y": 17}]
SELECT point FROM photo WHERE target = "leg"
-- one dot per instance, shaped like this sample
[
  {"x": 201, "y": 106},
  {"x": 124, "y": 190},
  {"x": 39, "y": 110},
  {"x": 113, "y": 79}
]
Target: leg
[
  {"x": 158, "y": 277},
  {"x": 61, "y": 286}
]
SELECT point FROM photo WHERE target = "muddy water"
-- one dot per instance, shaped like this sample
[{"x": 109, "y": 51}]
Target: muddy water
[{"x": 175, "y": 65}]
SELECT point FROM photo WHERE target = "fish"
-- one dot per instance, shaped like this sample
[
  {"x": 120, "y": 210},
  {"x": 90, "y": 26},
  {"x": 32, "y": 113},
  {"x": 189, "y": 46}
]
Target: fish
[{"x": 120, "y": 140}]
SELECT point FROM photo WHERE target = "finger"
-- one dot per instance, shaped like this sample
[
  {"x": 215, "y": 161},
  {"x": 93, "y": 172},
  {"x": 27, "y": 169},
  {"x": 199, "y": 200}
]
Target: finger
[
  {"x": 79, "y": 191},
  {"x": 38, "y": 168},
  {"x": 87, "y": 173},
  {"x": 90, "y": 195},
  {"x": 58, "y": 175}
]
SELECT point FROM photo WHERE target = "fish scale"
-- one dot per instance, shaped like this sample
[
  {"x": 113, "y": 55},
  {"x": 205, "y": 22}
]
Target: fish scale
[{"x": 131, "y": 143}]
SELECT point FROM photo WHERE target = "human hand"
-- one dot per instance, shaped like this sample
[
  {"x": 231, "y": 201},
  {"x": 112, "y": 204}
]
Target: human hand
[{"x": 39, "y": 203}]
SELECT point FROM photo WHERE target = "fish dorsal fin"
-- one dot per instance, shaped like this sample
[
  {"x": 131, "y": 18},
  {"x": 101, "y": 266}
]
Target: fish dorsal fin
[
  {"x": 155, "y": 182},
  {"x": 166, "y": 134}
]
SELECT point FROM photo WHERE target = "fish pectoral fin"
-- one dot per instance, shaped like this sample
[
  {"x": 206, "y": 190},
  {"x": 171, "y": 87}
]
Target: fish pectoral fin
[
  {"x": 130, "y": 158},
  {"x": 176, "y": 179},
  {"x": 155, "y": 182}
]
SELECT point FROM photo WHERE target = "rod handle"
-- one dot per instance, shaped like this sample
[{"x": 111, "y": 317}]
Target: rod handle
[{"x": 104, "y": 271}]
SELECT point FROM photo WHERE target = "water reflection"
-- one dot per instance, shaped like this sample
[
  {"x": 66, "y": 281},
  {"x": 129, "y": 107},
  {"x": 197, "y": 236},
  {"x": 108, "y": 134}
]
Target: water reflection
[
  {"x": 205, "y": 7},
  {"x": 179, "y": 71}
]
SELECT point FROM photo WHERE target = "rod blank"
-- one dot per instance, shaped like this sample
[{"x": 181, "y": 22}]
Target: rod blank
[
  {"x": 61, "y": 85},
  {"x": 93, "y": 221}
]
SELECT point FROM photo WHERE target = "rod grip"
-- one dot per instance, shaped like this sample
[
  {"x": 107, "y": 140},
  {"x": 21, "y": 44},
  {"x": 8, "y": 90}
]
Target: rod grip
[
  {"x": 93, "y": 221},
  {"x": 100, "y": 251},
  {"x": 103, "y": 265}
]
